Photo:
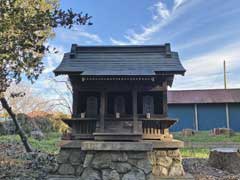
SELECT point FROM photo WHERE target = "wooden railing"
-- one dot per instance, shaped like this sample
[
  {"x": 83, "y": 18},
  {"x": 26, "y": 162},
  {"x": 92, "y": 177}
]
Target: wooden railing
[
  {"x": 157, "y": 128},
  {"x": 152, "y": 129},
  {"x": 86, "y": 127}
]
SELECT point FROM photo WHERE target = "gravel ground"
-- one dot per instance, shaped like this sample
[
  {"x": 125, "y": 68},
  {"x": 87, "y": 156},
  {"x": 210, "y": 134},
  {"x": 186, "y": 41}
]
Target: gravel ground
[{"x": 200, "y": 169}]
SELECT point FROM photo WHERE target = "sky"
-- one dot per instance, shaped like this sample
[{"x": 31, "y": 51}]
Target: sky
[{"x": 204, "y": 33}]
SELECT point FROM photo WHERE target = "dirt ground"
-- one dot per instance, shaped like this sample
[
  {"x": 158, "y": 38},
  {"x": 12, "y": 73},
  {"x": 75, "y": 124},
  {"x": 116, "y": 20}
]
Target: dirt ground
[{"x": 15, "y": 164}]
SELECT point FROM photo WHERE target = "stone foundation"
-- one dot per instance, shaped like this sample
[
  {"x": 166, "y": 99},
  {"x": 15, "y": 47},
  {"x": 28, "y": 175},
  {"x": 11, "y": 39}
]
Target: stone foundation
[
  {"x": 117, "y": 161},
  {"x": 166, "y": 162}
]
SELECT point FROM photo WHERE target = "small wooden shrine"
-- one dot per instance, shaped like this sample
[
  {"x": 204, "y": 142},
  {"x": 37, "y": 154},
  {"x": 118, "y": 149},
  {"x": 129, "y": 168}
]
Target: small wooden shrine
[{"x": 120, "y": 92}]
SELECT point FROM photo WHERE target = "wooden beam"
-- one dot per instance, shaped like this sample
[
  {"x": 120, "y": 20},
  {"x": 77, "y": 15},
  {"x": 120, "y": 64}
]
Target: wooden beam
[
  {"x": 134, "y": 103},
  {"x": 102, "y": 111},
  {"x": 165, "y": 103}
]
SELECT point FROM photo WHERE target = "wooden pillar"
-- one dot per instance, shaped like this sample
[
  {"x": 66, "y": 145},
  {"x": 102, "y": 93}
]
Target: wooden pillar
[
  {"x": 165, "y": 101},
  {"x": 75, "y": 97},
  {"x": 102, "y": 111},
  {"x": 134, "y": 104}
]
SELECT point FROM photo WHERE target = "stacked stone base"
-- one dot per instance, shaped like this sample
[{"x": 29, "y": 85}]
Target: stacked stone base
[
  {"x": 117, "y": 161},
  {"x": 166, "y": 162}
]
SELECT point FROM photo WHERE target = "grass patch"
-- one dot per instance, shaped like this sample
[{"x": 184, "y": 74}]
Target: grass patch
[
  {"x": 195, "y": 152},
  {"x": 49, "y": 144},
  {"x": 204, "y": 136}
]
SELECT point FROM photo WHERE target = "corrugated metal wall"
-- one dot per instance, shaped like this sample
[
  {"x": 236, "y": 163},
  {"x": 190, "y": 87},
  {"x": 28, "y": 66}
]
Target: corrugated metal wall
[
  {"x": 184, "y": 114},
  {"x": 234, "y": 116},
  {"x": 211, "y": 116}
]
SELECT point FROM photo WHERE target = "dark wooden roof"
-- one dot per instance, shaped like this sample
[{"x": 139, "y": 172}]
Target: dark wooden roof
[
  {"x": 204, "y": 96},
  {"x": 120, "y": 60}
]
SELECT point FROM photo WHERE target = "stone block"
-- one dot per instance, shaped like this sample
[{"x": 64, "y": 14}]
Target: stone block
[
  {"x": 108, "y": 174},
  {"x": 75, "y": 158},
  {"x": 173, "y": 153},
  {"x": 159, "y": 171},
  {"x": 145, "y": 165},
  {"x": 161, "y": 153},
  {"x": 90, "y": 174},
  {"x": 173, "y": 144},
  {"x": 66, "y": 169},
  {"x": 135, "y": 174},
  {"x": 116, "y": 146},
  {"x": 102, "y": 160},
  {"x": 176, "y": 170},
  {"x": 88, "y": 159},
  {"x": 63, "y": 156},
  {"x": 79, "y": 170},
  {"x": 121, "y": 167},
  {"x": 136, "y": 155},
  {"x": 119, "y": 157},
  {"x": 164, "y": 161}
]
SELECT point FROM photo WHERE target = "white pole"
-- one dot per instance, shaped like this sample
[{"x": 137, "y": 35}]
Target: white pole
[
  {"x": 196, "y": 116},
  {"x": 227, "y": 116}
]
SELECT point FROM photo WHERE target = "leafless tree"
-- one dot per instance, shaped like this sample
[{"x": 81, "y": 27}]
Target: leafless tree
[
  {"x": 62, "y": 88},
  {"x": 23, "y": 99}
]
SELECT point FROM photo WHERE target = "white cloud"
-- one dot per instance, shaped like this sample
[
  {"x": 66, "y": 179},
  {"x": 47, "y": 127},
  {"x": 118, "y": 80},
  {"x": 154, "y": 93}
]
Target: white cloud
[
  {"x": 51, "y": 60},
  {"x": 116, "y": 42},
  {"x": 162, "y": 15},
  {"x": 77, "y": 34},
  {"x": 206, "y": 71}
]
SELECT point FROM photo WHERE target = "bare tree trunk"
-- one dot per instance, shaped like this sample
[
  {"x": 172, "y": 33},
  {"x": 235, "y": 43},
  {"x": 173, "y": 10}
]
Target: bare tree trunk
[{"x": 20, "y": 131}]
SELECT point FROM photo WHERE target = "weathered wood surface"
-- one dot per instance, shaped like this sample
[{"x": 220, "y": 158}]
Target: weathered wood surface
[{"x": 227, "y": 159}]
